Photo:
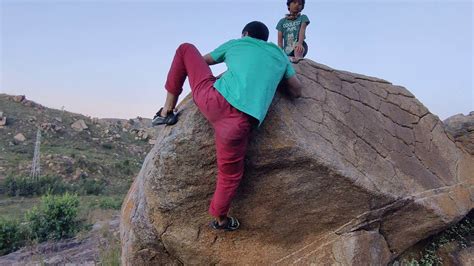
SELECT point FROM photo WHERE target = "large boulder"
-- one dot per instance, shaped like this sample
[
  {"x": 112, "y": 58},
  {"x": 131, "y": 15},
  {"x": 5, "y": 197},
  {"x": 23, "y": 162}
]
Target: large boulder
[
  {"x": 461, "y": 127},
  {"x": 355, "y": 171}
]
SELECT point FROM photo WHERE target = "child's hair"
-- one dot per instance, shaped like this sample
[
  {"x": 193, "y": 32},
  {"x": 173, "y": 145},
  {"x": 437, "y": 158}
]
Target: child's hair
[
  {"x": 257, "y": 30},
  {"x": 288, "y": 2}
]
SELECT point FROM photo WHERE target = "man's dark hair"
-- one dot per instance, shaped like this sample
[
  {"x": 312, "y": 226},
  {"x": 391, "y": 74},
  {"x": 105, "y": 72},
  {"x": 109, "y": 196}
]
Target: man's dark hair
[
  {"x": 288, "y": 2},
  {"x": 257, "y": 30}
]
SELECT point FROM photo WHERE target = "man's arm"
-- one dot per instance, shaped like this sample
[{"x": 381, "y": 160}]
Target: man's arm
[
  {"x": 209, "y": 60},
  {"x": 292, "y": 86}
]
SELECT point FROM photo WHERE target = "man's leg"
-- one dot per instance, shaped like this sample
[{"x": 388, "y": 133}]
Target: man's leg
[
  {"x": 187, "y": 62},
  {"x": 232, "y": 135}
]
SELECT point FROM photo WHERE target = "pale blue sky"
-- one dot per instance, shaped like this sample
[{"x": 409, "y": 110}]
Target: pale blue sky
[{"x": 109, "y": 58}]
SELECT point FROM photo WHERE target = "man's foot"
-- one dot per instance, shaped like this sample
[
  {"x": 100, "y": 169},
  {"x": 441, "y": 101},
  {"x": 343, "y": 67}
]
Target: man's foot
[
  {"x": 170, "y": 119},
  {"x": 230, "y": 224}
]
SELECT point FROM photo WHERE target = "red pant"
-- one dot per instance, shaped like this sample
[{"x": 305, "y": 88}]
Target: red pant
[{"x": 231, "y": 126}]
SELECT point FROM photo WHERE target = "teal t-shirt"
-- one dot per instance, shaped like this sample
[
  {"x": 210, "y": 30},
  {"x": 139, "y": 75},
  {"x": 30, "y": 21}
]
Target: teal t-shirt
[
  {"x": 291, "y": 31},
  {"x": 254, "y": 69}
]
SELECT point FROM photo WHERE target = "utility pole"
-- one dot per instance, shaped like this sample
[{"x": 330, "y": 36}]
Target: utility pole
[{"x": 35, "y": 167}]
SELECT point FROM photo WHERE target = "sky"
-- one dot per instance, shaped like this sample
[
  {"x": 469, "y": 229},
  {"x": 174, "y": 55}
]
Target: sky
[{"x": 109, "y": 59}]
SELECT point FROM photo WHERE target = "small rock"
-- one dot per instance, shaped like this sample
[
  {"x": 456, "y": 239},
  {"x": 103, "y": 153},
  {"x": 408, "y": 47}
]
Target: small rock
[
  {"x": 127, "y": 125},
  {"x": 59, "y": 119},
  {"x": 19, "y": 137},
  {"x": 3, "y": 121}
]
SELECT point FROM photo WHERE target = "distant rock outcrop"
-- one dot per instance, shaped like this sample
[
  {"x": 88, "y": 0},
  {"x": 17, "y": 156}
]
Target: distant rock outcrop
[
  {"x": 79, "y": 125},
  {"x": 19, "y": 98},
  {"x": 461, "y": 127},
  {"x": 355, "y": 171}
]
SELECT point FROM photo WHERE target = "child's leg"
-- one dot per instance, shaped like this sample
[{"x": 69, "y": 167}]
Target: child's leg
[
  {"x": 299, "y": 55},
  {"x": 232, "y": 135}
]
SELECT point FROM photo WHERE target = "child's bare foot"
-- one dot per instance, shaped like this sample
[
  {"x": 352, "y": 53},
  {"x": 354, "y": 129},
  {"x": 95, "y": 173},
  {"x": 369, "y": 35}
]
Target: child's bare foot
[{"x": 295, "y": 60}]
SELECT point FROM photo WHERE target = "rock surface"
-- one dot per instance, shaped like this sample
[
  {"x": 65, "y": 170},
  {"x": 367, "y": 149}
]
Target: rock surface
[
  {"x": 461, "y": 127},
  {"x": 355, "y": 170}
]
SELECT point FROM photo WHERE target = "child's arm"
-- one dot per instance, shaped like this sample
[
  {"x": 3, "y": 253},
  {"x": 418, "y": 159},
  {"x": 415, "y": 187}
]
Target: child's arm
[
  {"x": 301, "y": 36},
  {"x": 280, "y": 39}
]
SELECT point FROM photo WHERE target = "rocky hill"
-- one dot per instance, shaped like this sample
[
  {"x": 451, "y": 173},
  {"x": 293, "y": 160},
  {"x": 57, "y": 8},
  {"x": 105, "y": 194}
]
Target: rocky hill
[
  {"x": 461, "y": 127},
  {"x": 73, "y": 146}
]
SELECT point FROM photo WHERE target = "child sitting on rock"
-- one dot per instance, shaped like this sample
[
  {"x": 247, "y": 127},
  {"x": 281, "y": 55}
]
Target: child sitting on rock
[{"x": 291, "y": 31}]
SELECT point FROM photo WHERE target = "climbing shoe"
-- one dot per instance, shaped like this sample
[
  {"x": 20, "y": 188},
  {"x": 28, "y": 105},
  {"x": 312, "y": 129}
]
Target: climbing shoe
[
  {"x": 170, "y": 119},
  {"x": 231, "y": 225}
]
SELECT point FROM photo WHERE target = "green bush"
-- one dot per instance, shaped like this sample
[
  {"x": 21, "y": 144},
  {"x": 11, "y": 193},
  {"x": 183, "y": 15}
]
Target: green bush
[
  {"x": 107, "y": 146},
  {"x": 125, "y": 167},
  {"x": 114, "y": 203},
  {"x": 26, "y": 186},
  {"x": 90, "y": 187},
  {"x": 54, "y": 218},
  {"x": 12, "y": 236}
]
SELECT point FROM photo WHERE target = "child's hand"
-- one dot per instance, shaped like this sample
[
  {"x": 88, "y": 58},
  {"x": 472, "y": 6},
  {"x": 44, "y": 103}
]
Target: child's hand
[{"x": 299, "y": 48}]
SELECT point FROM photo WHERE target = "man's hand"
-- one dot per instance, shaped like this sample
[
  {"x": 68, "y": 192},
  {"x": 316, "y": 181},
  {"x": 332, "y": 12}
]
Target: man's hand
[
  {"x": 291, "y": 86},
  {"x": 294, "y": 86}
]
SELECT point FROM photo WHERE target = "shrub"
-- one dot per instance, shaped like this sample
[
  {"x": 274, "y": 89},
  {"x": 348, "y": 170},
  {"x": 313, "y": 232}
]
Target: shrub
[
  {"x": 26, "y": 186},
  {"x": 124, "y": 167},
  {"x": 12, "y": 236},
  {"x": 107, "y": 146},
  {"x": 54, "y": 218},
  {"x": 114, "y": 203},
  {"x": 90, "y": 187}
]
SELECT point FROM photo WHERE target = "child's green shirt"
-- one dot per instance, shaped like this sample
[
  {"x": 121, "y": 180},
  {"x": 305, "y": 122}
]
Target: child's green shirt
[
  {"x": 254, "y": 70},
  {"x": 291, "y": 31}
]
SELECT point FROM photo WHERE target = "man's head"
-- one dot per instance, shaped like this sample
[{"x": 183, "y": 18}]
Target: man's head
[
  {"x": 295, "y": 6},
  {"x": 257, "y": 30}
]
